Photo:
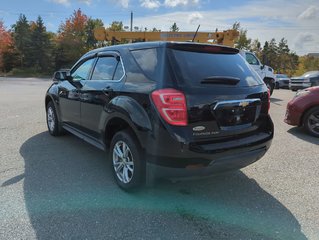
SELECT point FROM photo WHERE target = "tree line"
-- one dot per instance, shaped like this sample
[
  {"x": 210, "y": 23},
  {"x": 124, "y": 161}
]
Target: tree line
[{"x": 28, "y": 47}]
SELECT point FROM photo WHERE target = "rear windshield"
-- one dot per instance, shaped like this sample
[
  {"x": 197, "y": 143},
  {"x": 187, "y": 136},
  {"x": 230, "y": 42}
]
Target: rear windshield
[{"x": 194, "y": 67}]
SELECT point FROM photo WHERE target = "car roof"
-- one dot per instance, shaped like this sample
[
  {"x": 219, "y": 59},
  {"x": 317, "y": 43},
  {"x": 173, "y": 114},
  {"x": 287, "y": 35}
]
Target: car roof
[{"x": 145, "y": 45}]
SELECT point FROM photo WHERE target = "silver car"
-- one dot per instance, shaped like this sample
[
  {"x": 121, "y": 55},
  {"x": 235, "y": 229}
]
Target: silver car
[
  {"x": 308, "y": 79},
  {"x": 282, "y": 81}
]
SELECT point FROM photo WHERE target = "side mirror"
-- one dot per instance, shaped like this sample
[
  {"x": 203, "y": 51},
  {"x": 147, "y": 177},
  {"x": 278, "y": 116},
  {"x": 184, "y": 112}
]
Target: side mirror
[
  {"x": 262, "y": 67},
  {"x": 61, "y": 75}
]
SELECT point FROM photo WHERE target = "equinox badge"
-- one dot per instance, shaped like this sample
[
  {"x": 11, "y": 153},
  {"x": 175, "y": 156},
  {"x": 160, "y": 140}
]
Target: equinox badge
[{"x": 198, "y": 128}]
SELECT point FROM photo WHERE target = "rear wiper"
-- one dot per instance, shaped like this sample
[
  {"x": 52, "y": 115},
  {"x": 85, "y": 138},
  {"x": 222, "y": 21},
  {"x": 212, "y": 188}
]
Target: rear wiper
[{"x": 220, "y": 80}]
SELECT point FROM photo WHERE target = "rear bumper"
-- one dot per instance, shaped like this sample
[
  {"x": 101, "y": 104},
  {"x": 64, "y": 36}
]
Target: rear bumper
[{"x": 232, "y": 160}]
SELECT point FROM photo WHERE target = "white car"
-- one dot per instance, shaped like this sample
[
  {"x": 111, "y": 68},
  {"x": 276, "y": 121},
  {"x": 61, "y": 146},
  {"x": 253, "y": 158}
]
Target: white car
[{"x": 265, "y": 72}]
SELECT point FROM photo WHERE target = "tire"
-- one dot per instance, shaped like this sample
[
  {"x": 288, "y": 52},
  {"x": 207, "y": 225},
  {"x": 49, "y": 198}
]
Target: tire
[
  {"x": 311, "y": 121},
  {"x": 270, "y": 87},
  {"x": 52, "y": 120},
  {"x": 128, "y": 171}
]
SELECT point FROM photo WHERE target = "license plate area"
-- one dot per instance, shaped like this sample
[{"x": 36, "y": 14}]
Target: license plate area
[{"x": 237, "y": 114}]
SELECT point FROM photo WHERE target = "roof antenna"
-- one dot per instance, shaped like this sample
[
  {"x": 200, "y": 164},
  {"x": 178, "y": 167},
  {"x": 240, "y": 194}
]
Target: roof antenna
[{"x": 196, "y": 33}]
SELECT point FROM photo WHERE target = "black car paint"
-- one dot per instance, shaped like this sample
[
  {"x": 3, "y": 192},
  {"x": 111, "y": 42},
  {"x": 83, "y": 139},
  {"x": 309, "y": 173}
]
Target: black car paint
[{"x": 91, "y": 109}]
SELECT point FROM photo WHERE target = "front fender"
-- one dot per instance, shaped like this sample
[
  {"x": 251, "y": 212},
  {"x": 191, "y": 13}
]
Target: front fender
[{"x": 52, "y": 95}]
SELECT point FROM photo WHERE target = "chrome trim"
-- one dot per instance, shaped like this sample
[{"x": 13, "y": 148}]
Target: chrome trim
[{"x": 236, "y": 101}]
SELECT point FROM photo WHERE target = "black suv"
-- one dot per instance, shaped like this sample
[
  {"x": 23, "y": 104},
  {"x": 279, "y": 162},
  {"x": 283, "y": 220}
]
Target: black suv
[{"x": 164, "y": 109}]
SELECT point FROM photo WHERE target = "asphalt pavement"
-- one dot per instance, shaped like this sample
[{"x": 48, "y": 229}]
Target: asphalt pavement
[{"x": 62, "y": 187}]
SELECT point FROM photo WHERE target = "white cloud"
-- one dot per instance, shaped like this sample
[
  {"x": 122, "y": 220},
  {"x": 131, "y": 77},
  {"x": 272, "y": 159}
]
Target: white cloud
[
  {"x": 176, "y": 3},
  {"x": 63, "y": 2},
  {"x": 87, "y": 2},
  {"x": 310, "y": 13},
  {"x": 124, "y": 3},
  {"x": 260, "y": 18},
  {"x": 194, "y": 17},
  {"x": 151, "y": 4},
  {"x": 303, "y": 39}
]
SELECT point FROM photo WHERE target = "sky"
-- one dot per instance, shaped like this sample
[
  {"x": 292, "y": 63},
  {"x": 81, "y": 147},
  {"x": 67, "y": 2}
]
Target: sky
[{"x": 295, "y": 20}]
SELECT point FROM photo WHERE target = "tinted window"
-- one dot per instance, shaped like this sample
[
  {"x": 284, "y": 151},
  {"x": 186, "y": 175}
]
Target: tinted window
[
  {"x": 148, "y": 60},
  {"x": 105, "y": 68},
  {"x": 82, "y": 72},
  {"x": 194, "y": 67},
  {"x": 251, "y": 59},
  {"x": 119, "y": 72}
]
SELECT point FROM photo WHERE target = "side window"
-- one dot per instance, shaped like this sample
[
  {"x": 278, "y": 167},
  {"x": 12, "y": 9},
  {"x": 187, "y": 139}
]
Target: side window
[
  {"x": 83, "y": 71},
  {"x": 108, "y": 68},
  {"x": 119, "y": 72},
  {"x": 251, "y": 59},
  {"x": 147, "y": 59}
]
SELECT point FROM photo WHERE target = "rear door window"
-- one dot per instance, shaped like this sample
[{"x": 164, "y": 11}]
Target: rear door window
[
  {"x": 108, "y": 68},
  {"x": 193, "y": 67}
]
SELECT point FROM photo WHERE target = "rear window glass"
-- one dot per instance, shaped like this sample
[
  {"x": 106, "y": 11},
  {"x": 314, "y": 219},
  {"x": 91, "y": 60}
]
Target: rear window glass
[
  {"x": 193, "y": 67},
  {"x": 148, "y": 60}
]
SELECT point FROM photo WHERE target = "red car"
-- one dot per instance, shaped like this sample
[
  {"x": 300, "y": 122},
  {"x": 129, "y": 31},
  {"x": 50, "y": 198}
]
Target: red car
[{"x": 303, "y": 110}]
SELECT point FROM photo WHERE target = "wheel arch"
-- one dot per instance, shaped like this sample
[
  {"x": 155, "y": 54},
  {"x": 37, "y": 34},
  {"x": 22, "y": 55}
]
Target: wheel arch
[
  {"x": 49, "y": 98},
  {"x": 302, "y": 119},
  {"x": 118, "y": 123}
]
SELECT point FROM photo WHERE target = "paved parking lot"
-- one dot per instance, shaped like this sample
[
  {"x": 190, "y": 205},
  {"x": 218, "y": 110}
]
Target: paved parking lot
[{"x": 62, "y": 188}]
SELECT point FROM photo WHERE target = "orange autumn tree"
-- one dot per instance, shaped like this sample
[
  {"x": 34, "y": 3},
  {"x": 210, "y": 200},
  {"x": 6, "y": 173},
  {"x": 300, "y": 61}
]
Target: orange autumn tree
[
  {"x": 71, "y": 39},
  {"x": 6, "y": 43}
]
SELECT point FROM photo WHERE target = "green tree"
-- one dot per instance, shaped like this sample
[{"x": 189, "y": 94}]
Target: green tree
[
  {"x": 22, "y": 39},
  {"x": 41, "y": 49},
  {"x": 116, "y": 26},
  {"x": 174, "y": 28},
  {"x": 243, "y": 42},
  {"x": 155, "y": 30},
  {"x": 255, "y": 47},
  {"x": 91, "y": 24}
]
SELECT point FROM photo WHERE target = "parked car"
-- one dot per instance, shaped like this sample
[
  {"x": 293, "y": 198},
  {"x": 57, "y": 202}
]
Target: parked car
[
  {"x": 265, "y": 72},
  {"x": 164, "y": 109},
  {"x": 303, "y": 110},
  {"x": 282, "y": 81},
  {"x": 308, "y": 79}
]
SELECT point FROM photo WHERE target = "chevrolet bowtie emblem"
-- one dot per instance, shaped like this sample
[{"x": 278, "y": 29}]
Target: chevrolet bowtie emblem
[{"x": 243, "y": 104}]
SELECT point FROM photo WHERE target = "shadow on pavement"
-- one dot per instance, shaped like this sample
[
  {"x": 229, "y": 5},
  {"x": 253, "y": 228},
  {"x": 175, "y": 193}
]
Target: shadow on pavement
[
  {"x": 301, "y": 133},
  {"x": 275, "y": 100},
  {"x": 70, "y": 194}
]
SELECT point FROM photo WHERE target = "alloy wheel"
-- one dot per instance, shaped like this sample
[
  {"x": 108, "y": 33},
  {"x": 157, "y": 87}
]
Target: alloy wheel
[
  {"x": 123, "y": 162},
  {"x": 51, "y": 119},
  {"x": 313, "y": 122}
]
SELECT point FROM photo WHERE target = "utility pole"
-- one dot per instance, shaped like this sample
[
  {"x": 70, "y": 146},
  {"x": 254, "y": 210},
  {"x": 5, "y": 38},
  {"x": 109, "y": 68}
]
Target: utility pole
[{"x": 131, "y": 21}]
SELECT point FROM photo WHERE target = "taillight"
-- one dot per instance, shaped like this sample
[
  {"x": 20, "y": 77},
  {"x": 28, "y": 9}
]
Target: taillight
[
  {"x": 268, "y": 100},
  {"x": 171, "y": 105}
]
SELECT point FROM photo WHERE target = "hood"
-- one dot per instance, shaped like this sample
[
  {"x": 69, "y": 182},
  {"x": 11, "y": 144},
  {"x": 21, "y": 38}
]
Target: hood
[{"x": 307, "y": 75}]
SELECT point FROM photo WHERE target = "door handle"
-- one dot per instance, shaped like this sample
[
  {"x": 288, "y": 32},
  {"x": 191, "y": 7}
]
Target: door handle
[{"x": 107, "y": 89}]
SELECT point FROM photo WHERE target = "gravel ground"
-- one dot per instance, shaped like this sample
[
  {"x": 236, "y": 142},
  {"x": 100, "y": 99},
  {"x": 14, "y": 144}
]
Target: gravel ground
[{"x": 62, "y": 188}]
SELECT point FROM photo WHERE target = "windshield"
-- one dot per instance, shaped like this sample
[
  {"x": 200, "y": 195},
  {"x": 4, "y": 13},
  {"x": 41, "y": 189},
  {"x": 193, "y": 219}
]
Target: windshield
[{"x": 281, "y": 76}]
